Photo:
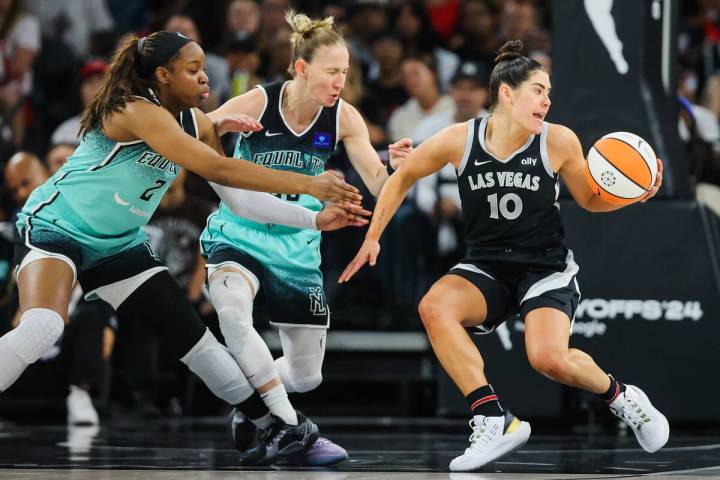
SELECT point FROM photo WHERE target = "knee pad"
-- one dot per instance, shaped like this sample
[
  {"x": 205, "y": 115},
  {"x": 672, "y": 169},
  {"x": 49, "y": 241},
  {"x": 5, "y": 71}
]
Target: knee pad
[
  {"x": 305, "y": 384},
  {"x": 210, "y": 361},
  {"x": 297, "y": 380},
  {"x": 232, "y": 298},
  {"x": 300, "y": 367},
  {"x": 39, "y": 329}
]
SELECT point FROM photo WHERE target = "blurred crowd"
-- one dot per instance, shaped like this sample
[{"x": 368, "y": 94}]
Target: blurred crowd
[{"x": 416, "y": 67}]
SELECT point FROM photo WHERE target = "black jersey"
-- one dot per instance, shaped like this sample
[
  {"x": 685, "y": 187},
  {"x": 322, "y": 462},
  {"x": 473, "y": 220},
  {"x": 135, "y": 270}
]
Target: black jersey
[{"x": 511, "y": 204}]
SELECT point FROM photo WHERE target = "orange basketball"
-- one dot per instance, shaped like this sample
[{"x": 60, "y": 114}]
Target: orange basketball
[{"x": 621, "y": 168}]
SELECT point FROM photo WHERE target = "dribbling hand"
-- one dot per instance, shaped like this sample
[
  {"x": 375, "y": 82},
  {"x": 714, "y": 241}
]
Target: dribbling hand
[
  {"x": 237, "y": 122},
  {"x": 330, "y": 186},
  {"x": 658, "y": 182},
  {"x": 339, "y": 215},
  {"x": 368, "y": 253}
]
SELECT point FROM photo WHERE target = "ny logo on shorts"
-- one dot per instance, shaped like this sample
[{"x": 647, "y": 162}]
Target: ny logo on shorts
[{"x": 317, "y": 301}]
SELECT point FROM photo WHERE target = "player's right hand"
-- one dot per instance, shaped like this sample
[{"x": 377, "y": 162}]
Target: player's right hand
[
  {"x": 338, "y": 215},
  {"x": 330, "y": 186},
  {"x": 368, "y": 253}
]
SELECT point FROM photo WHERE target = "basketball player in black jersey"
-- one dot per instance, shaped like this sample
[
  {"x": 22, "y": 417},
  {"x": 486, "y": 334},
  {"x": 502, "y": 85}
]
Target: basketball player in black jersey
[{"x": 508, "y": 166}]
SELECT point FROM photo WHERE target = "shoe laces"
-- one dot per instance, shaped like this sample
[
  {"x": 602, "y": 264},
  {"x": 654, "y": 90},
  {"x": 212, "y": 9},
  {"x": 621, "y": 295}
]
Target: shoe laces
[
  {"x": 482, "y": 433},
  {"x": 633, "y": 412}
]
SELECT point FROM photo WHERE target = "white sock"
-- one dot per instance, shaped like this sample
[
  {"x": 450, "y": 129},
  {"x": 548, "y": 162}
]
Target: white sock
[
  {"x": 277, "y": 401},
  {"x": 263, "y": 422}
]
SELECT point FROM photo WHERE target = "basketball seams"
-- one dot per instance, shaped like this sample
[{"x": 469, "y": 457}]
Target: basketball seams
[
  {"x": 639, "y": 153},
  {"x": 619, "y": 170}
]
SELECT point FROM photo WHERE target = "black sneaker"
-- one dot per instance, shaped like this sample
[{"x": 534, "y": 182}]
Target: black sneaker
[
  {"x": 256, "y": 451},
  {"x": 290, "y": 439},
  {"x": 242, "y": 429}
]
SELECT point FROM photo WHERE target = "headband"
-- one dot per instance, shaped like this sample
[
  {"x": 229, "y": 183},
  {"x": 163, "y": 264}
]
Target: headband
[{"x": 165, "y": 44}]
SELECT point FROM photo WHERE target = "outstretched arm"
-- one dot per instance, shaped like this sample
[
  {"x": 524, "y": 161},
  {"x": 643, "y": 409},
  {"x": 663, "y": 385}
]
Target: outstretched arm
[
  {"x": 161, "y": 132},
  {"x": 429, "y": 157},
  {"x": 362, "y": 155}
]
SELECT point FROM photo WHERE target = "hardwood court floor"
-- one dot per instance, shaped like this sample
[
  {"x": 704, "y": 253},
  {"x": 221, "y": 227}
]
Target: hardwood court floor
[{"x": 380, "y": 449}]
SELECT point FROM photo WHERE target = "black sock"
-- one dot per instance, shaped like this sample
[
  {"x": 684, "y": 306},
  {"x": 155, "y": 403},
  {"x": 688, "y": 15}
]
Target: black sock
[
  {"x": 616, "y": 388},
  {"x": 253, "y": 407},
  {"x": 483, "y": 401}
]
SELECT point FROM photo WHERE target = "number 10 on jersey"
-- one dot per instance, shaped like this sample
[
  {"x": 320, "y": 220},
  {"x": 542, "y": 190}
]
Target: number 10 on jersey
[{"x": 509, "y": 206}]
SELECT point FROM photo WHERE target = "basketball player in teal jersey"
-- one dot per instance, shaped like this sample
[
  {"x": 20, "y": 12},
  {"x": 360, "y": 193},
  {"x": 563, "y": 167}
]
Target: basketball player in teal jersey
[
  {"x": 508, "y": 166},
  {"x": 86, "y": 221},
  {"x": 297, "y": 125}
]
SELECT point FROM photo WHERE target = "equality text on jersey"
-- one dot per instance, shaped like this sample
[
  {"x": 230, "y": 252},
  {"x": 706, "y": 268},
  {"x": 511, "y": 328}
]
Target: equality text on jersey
[
  {"x": 155, "y": 160},
  {"x": 504, "y": 179},
  {"x": 288, "y": 158}
]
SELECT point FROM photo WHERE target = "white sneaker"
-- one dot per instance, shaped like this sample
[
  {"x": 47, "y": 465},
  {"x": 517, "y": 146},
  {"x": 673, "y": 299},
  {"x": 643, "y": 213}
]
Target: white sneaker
[
  {"x": 80, "y": 410},
  {"x": 650, "y": 426},
  {"x": 492, "y": 438}
]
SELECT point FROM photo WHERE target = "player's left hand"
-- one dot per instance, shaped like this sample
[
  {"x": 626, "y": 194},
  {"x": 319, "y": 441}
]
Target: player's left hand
[
  {"x": 237, "y": 122},
  {"x": 658, "y": 182},
  {"x": 399, "y": 151},
  {"x": 368, "y": 253},
  {"x": 335, "y": 216}
]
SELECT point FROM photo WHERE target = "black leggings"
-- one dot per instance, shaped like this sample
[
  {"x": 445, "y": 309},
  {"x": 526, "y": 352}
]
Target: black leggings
[{"x": 163, "y": 308}]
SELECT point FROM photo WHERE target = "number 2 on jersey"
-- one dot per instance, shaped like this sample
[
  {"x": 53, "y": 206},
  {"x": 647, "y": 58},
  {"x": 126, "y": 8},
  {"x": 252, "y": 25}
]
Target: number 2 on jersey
[
  {"x": 147, "y": 194},
  {"x": 503, "y": 206}
]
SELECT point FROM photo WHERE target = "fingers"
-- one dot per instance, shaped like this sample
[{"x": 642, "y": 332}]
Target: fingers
[
  {"x": 351, "y": 269},
  {"x": 355, "y": 209},
  {"x": 346, "y": 193},
  {"x": 242, "y": 123}
]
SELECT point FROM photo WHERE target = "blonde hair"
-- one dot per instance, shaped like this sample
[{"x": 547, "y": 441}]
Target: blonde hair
[{"x": 309, "y": 35}]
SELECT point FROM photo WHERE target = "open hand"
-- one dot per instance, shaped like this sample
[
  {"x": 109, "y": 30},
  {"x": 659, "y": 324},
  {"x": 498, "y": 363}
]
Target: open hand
[
  {"x": 237, "y": 122},
  {"x": 330, "y": 186},
  {"x": 368, "y": 253},
  {"x": 339, "y": 215}
]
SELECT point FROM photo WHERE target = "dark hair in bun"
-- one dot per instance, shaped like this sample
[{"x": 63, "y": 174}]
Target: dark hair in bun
[{"x": 511, "y": 67}]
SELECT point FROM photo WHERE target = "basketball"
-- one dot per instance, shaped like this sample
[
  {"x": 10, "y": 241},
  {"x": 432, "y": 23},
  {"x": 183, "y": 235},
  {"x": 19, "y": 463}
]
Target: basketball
[{"x": 621, "y": 168}]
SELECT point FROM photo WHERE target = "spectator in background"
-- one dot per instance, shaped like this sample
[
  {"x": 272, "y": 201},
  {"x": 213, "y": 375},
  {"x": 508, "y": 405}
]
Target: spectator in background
[
  {"x": 420, "y": 81},
  {"x": 366, "y": 19},
  {"x": 243, "y": 62},
  {"x": 91, "y": 74},
  {"x": 243, "y": 20},
  {"x": 216, "y": 67},
  {"x": 19, "y": 44},
  {"x": 278, "y": 55},
  {"x": 57, "y": 156},
  {"x": 384, "y": 90},
  {"x": 477, "y": 37},
  {"x": 24, "y": 172},
  {"x": 413, "y": 25},
  {"x": 699, "y": 130},
  {"x": 85, "y": 26},
  {"x": 519, "y": 20}
]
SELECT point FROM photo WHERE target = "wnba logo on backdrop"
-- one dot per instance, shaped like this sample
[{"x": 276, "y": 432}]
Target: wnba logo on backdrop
[{"x": 317, "y": 302}]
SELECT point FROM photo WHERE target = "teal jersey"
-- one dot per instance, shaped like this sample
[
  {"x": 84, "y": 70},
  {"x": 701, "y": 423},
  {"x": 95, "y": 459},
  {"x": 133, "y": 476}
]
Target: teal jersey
[
  {"x": 106, "y": 192},
  {"x": 277, "y": 146}
]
